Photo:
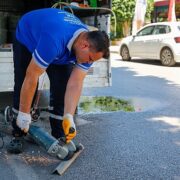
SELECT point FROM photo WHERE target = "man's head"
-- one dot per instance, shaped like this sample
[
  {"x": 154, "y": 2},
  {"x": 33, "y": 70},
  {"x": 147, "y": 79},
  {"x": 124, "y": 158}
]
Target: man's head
[{"x": 91, "y": 46}]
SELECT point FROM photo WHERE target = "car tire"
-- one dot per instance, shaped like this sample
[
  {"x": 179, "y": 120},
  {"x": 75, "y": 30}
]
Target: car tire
[
  {"x": 125, "y": 53},
  {"x": 166, "y": 57}
]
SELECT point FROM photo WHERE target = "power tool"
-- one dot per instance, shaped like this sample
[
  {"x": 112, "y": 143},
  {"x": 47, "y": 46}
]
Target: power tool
[
  {"x": 67, "y": 152},
  {"x": 54, "y": 147}
]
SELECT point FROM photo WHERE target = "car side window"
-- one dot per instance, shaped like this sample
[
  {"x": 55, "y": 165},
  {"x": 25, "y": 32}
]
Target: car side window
[
  {"x": 168, "y": 29},
  {"x": 178, "y": 28},
  {"x": 161, "y": 29},
  {"x": 146, "y": 31}
]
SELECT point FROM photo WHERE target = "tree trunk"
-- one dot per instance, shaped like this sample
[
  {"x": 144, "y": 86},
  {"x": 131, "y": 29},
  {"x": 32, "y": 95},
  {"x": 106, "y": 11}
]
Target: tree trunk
[{"x": 126, "y": 28}]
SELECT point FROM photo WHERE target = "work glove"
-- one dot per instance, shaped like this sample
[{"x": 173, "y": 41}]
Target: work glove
[
  {"x": 69, "y": 127},
  {"x": 23, "y": 121}
]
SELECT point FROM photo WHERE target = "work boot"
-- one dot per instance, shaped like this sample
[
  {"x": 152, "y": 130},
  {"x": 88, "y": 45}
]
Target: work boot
[{"x": 16, "y": 145}]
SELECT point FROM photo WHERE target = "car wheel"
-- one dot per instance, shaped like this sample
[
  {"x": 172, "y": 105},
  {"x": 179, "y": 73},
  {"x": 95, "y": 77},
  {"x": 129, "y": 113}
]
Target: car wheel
[
  {"x": 125, "y": 53},
  {"x": 167, "y": 58}
]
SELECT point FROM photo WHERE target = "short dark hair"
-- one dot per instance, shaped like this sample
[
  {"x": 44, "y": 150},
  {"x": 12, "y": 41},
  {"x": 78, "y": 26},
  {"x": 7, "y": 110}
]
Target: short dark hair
[{"x": 99, "y": 41}]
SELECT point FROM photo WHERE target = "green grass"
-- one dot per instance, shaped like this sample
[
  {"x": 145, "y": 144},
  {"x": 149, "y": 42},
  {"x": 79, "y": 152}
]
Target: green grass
[{"x": 104, "y": 104}]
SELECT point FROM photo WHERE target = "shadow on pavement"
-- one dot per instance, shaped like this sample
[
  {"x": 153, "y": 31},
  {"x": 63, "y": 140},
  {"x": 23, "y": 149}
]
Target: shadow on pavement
[
  {"x": 147, "y": 61},
  {"x": 119, "y": 145}
]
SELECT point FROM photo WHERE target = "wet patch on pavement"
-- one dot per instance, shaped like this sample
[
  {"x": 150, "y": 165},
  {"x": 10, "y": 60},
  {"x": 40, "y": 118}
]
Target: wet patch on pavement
[
  {"x": 102, "y": 104},
  {"x": 142, "y": 104}
]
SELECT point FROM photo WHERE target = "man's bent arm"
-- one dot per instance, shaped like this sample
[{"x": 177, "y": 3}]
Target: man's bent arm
[
  {"x": 73, "y": 90},
  {"x": 29, "y": 86}
]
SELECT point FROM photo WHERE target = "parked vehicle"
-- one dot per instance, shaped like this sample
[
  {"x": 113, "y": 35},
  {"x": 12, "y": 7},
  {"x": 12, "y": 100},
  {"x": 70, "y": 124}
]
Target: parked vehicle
[
  {"x": 99, "y": 75},
  {"x": 159, "y": 41}
]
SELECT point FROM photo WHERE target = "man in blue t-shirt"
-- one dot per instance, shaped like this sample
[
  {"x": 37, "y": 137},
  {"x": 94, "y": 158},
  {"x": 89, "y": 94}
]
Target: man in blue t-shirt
[{"x": 57, "y": 42}]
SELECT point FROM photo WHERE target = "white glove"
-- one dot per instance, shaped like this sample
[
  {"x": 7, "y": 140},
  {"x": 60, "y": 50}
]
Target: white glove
[
  {"x": 69, "y": 127},
  {"x": 23, "y": 121}
]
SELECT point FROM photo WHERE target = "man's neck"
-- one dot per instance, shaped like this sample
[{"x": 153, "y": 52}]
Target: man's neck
[{"x": 78, "y": 40}]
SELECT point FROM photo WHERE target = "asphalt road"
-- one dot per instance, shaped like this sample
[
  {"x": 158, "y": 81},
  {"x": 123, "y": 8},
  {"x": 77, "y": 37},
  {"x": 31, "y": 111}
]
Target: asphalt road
[{"x": 130, "y": 146}]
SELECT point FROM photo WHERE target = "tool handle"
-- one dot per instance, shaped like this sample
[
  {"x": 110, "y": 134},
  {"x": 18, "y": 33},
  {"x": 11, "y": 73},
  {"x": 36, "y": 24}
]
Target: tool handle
[
  {"x": 71, "y": 130},
  {"x": 62, "y": 140}
]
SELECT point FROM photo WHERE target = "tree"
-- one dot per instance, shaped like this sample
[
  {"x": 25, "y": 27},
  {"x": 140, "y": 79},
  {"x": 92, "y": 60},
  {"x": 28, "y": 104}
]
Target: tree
[
  {"x": 150, "y": 9},
  {"x": 124, "y": 10}
]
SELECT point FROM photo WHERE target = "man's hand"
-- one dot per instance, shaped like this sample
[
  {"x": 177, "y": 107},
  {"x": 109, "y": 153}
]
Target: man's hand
[
  {"x": 69, "y": 127},
  {"x": 23, "y": 121}
]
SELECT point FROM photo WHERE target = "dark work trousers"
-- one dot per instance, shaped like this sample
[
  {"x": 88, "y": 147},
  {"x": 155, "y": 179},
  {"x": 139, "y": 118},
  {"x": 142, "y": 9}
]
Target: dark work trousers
[
  {"x": 22, "y": 58},
  {"x": 58, "y": 76}
]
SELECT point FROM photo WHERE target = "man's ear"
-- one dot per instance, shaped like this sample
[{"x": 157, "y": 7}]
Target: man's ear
[{"x": 84, "y": 44}]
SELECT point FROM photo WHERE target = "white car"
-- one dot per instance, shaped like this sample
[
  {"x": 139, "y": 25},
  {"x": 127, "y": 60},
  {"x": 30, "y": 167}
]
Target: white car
[{"x": 154, "y": 41}]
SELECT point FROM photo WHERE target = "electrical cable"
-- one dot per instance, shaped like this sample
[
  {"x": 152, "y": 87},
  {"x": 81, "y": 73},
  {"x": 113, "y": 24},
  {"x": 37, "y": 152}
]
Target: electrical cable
[
  {"x": 88, "y": 8},
  {"x": 63, "y": 3},
  {"x": 2, "y": 140},
  {"x": 34, "y": 111}
]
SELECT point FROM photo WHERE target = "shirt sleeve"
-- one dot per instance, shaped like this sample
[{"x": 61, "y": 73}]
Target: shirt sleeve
[
  {"x": 46, "y": 51},
  {"x": 84, "y": 66}
]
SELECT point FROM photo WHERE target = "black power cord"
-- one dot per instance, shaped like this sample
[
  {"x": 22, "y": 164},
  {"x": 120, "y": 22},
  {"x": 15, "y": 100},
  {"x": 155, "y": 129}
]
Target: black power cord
[{"x": 2, "y": 140}]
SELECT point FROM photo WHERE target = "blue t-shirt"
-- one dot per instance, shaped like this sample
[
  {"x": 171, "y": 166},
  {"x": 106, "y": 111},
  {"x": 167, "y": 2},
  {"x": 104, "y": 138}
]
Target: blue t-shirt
[{"x": 49, "y": 34}]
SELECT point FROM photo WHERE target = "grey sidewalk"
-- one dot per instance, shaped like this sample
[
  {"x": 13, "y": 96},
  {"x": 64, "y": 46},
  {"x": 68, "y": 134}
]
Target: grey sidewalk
[{"x": 114, "y": 49}]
